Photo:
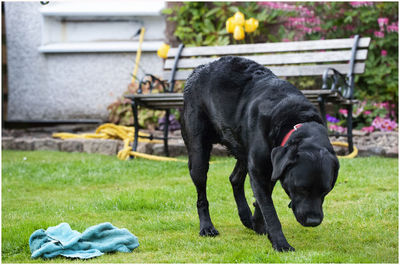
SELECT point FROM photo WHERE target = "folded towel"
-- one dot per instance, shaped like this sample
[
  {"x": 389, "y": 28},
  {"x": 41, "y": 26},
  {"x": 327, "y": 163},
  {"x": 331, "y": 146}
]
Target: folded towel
[{"x": 94, "y": 242}]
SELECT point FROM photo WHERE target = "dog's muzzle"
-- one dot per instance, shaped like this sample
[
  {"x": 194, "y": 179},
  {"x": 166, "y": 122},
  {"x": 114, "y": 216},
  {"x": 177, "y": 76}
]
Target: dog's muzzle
[{"x": 312, "y": 221}]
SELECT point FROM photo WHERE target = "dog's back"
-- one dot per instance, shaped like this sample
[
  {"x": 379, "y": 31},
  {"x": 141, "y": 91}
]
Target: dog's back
[{"x": 227, "y": 91}]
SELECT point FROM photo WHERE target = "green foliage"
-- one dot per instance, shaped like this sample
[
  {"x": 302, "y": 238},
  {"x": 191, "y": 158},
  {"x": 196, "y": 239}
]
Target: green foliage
[
  {"x": 203, "y": 23},
  {"x": 156, "y": 201},
  {"x": 120, "y": 112}
]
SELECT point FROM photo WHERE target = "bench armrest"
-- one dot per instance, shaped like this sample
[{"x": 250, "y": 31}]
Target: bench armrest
[
  {"x": 151, "y": 82},
  {"x": 167, "y": 88},
  {"x": 337, "y": 82}
]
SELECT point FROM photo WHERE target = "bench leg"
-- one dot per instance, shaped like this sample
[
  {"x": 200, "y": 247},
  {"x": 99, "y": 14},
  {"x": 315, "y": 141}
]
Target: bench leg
[
  {"x": 321, "y": 102},
  {"x": 166, "y": 130},
  {"x": 350, "y": 127},
  {"x": 136, "y": 124}
]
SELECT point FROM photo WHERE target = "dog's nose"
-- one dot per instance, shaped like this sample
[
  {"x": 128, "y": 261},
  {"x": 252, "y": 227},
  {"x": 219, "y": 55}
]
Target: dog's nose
[{"x": 313, "y": 221}]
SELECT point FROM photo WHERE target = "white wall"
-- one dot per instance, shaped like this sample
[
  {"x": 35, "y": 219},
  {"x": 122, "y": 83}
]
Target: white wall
[{"x": 69, "y": 60}]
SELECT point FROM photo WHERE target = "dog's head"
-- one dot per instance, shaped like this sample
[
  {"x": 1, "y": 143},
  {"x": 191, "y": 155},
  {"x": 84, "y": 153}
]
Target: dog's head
[{"x": 307, "y": 171}]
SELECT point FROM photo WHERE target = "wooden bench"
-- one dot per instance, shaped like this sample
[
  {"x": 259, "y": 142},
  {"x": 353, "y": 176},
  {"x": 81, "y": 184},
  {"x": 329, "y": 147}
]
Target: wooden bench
[{"x": 335, "y": 60}]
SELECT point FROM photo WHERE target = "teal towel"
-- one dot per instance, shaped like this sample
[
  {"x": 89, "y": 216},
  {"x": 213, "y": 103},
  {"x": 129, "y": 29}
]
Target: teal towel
[{"x": 94, "y": 242}]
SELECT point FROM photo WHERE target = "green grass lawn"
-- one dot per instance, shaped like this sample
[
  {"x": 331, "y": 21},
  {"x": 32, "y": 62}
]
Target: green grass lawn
[{"x": 156, "y": 201}]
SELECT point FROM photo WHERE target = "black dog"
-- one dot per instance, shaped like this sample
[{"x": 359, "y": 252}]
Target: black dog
[{"x": 244, "y": 106}]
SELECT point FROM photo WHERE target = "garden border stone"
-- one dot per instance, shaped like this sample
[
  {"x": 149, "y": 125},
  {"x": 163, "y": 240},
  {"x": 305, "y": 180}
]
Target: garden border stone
[
  {"x": 50, "y": 144},
  {"x": 373, "y": 144},
  {"x": 71, "y": 145}
]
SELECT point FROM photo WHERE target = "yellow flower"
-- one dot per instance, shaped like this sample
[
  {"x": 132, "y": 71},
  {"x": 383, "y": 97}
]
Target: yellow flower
[
  {"x": 238, "y": 33},
  {"x": 230, "y": 25},
  {"x": 163, "y": 51},
  {"x": 250, "y": 25},
  {"x": 238, "y": 19}
]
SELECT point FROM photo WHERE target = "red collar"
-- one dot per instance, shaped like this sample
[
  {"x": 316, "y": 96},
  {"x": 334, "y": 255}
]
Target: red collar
[{"x": 297, "y": 126}]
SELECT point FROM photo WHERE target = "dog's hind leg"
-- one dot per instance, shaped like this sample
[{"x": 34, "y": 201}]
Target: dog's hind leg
[
  {"x": 237, "y": 179},
  {"x": 198, "y": 140},
  {"x": 198, "y": 165}
]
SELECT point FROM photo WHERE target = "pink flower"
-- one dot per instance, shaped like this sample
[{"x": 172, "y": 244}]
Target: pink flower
[
  {"x": 358, "y": 111},
  {"x": 337, "y": 128},
  {"x": 278, "y": 5},
  {"x": 383, "y": 53},
  {"x": 393, "y": 124},
  {"x": 379, "y": 34},
  {"x": 368, "y": 129},
  {"x": 394, "y": 27},
  {"x": 377, "y": 122},
  {"x": 308, "y": 30},
  {"x": 317, "y": 29},
  {"x": 358, "y": 4},
  {"x": 367, "y": 112},
  {"x": 382, "y": 21},
  {"x": 349, "y": 27},
  {"x": 343, "y": 112},
  {"x": 385, "y": 105},
  {"x": 384, "y": 125}
]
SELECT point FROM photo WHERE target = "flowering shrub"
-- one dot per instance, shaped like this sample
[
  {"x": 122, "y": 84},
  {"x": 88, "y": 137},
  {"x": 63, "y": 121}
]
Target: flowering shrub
[
  {"x": 384, "y": 125},
  {"x": 368, "y": 117},
  {"x": 329, "y": 20}
]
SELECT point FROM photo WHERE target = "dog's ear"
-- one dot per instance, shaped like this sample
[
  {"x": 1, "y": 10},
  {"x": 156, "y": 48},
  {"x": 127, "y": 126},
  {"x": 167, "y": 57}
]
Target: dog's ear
[
  {"x": 331, "y": 158},
  {"x": 335, "y": 170},
  {"x": 281, "y": 158}
]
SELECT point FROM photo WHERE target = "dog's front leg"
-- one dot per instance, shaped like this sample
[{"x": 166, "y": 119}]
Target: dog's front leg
[
  {"x": 237, "y": 179},
  {"x": 262, "y": 189}
]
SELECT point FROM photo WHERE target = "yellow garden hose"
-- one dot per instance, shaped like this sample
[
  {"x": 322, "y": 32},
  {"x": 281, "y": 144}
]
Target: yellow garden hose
[
  {"x": 112, "y": 131},
  {"x": 352, "y": 154},
  {"x": 119, "y": 132},
  {"x": 138, "y": 54}
]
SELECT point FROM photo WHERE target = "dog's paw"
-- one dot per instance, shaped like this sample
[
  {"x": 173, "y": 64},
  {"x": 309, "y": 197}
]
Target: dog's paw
[
  {"x": 247, "y": 222},
  {"x": 260, "y": 228},
  {"x": 209, "y": 231},
  {"x": 283, "y": 247}
]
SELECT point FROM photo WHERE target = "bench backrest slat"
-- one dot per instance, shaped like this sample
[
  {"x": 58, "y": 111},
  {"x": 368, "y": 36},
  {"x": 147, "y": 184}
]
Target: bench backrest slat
[
  {"x": 270, "y": 47},
  {"x": 285, "y": 59},
  {"x": 277, "y": 59},
  {"x": 285, "y": 71}
]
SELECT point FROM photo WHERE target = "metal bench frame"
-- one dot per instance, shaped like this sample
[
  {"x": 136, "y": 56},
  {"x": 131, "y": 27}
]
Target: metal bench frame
[{"x": 337, "y": 88}]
